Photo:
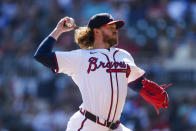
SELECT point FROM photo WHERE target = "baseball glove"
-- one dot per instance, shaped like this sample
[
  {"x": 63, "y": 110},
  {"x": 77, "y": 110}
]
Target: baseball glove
[{"x": 155, "y": 94}]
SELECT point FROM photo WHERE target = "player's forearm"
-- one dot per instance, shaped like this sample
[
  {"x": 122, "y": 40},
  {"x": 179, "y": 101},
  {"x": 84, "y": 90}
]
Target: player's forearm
[{"x": 55, "y": 34}]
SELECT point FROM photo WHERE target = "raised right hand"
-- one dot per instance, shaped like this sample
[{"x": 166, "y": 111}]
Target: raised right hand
[{"x": 61, "y": 27}]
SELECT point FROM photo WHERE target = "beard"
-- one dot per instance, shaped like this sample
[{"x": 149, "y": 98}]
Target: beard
[{"x": 112, "y": 41}]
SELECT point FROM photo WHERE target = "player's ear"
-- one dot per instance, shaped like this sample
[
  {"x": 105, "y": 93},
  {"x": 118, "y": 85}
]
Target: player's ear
[{"x": 96, "y": 32}]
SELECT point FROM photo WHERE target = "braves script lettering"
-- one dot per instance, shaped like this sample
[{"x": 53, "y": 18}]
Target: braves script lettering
[{"x": 94, "y": 65}]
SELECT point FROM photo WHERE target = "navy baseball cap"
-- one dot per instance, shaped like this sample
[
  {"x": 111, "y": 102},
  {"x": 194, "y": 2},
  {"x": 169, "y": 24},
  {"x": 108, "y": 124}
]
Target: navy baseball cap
[{"x": 102, "y": 19}]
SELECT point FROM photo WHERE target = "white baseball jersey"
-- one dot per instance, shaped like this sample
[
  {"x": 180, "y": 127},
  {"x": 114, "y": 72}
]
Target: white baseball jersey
[{"x": 102, "y": 76}]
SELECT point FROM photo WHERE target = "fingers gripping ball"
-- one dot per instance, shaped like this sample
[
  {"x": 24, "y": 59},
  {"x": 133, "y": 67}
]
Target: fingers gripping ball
[
  {"x": 155, "y": 94},
  {"x": 70, "y": 23}
]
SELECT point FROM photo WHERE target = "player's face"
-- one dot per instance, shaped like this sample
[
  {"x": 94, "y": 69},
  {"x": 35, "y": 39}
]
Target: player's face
[{"x": 110, "y": 34}]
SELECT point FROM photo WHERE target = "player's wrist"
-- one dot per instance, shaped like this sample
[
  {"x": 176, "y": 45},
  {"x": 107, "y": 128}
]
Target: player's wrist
[{"x": 56, "y": 33}]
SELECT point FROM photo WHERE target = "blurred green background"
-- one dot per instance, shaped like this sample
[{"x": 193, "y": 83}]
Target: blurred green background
[{"x": 160, "y": 35}]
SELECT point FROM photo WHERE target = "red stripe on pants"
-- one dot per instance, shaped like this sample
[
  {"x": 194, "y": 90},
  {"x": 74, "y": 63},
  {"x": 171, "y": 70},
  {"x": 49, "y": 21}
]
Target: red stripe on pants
[{"x": 82, "y": 124}]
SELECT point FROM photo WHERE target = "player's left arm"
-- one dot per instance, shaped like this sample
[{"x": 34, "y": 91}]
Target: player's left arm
[
  {"x": 149, "y": 90},
  {"x": 135, "y": 78}
]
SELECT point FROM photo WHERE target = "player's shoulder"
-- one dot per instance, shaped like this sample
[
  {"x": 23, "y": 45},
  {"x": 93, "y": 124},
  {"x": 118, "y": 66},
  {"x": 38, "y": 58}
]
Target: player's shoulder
[
  {"x": 77, "y": 51},
  {"x": 125, "y": 54},
  {"x": 90, "y": 52},
  {"x": 123, "y": 51},
  {"x": 80, "y": 51},
  {"x": 71, "y": 52}
]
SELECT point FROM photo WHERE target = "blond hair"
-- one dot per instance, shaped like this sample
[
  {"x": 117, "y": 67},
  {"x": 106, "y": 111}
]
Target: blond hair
[{"x": 84, "y": 37}]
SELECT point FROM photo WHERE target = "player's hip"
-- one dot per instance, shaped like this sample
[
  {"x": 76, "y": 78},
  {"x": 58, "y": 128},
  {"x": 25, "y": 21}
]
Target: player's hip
[
  {"x": 78, "y": 122},
  {"x": 107, "y": 111}
]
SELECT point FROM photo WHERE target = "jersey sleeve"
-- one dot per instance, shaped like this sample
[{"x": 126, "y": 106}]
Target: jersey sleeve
[
  {"x": 136, "y": 72},
  {"x": 68, "y": 62},
  {"x": 128, "y": 58}
]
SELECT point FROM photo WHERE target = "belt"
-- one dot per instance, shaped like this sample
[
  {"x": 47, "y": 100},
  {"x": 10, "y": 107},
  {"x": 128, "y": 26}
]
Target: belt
[{"x": 96, "y": 119}]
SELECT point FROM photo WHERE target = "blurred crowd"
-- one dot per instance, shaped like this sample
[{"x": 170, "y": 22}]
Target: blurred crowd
[{"x": 160, "y": 35}]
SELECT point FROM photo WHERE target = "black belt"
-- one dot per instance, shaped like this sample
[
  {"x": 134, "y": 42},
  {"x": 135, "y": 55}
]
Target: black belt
[{"x": 94, "y": 118}]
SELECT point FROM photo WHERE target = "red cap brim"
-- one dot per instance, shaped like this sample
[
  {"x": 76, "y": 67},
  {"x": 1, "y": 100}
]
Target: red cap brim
[{"x": 119, "y": 23}]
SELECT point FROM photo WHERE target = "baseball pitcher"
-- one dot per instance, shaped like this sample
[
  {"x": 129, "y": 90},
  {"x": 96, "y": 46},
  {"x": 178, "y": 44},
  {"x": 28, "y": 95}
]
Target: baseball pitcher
[{"x": 101, "y": 71}]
